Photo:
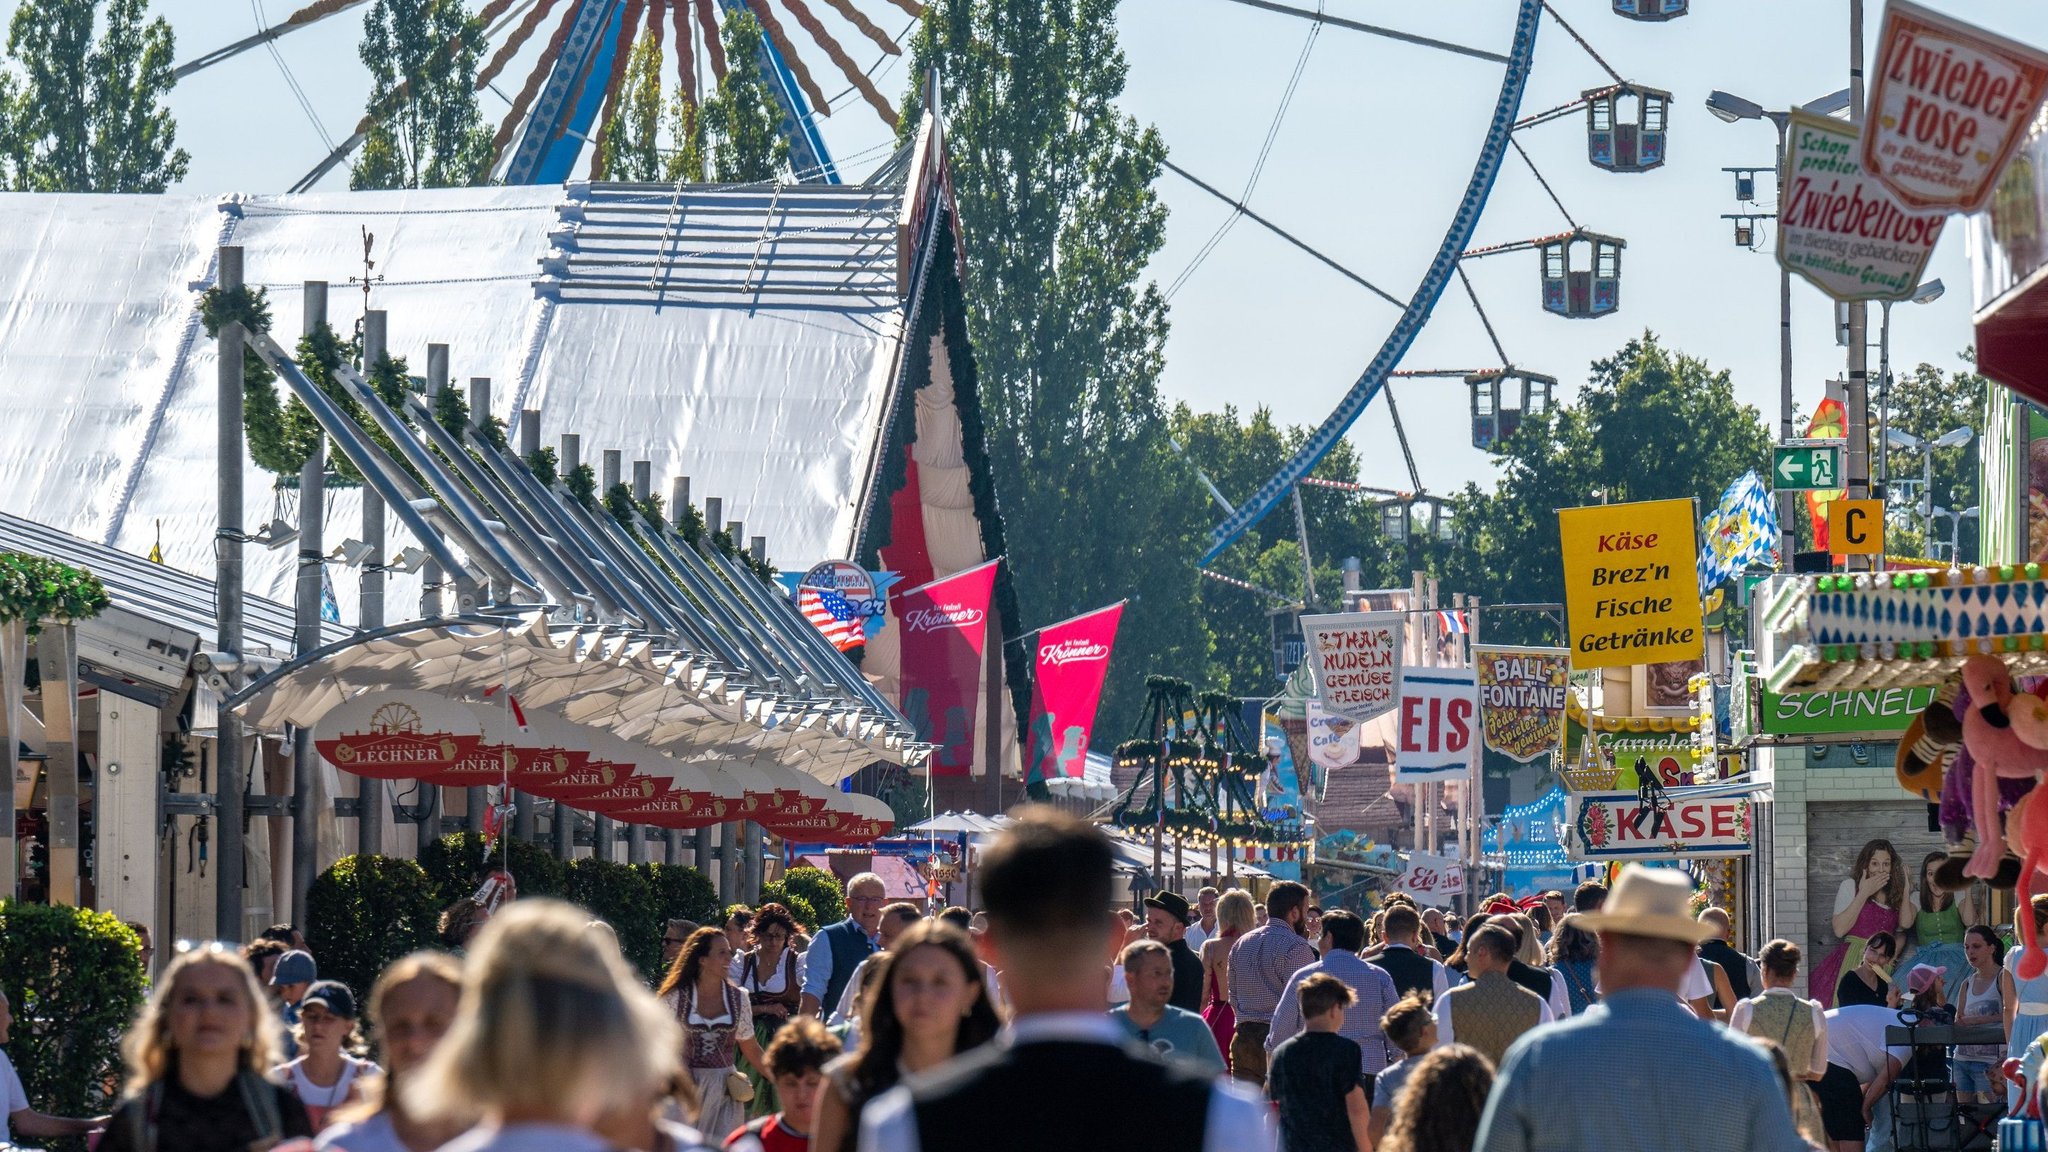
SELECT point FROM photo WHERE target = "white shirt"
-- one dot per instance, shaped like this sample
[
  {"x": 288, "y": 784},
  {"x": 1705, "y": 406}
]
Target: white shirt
[
  {"x": 528, "y": 1138},
  {"x": 1446, "y": 1032},
  {"x": 1856, "y": 1040},
  {"x": 1237, "y": 1121},
  {"x": 17, "y": 1096},
  {"x": 1739, "y": 1017},
  {"x": 1196, "y": 935},
  {"x": 1696, "y": 985},
  {"x": 843, "y": 1011}
]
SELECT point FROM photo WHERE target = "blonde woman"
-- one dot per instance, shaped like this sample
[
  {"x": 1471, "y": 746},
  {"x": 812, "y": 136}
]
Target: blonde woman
[
  {"x": 196, "y": 1058},
  {"x": 410, "y": 1008},
  {"x": 553, "y": 1037},
  {"x": 1234, "y": 915}
]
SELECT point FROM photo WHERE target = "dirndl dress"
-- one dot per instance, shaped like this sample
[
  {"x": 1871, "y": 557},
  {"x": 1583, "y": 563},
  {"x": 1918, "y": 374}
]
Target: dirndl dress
[{"x": 710, "y": 1054}]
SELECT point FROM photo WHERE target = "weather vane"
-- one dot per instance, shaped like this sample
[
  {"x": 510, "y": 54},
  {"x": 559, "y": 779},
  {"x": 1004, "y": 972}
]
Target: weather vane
[{"x": 370, "y": 274}]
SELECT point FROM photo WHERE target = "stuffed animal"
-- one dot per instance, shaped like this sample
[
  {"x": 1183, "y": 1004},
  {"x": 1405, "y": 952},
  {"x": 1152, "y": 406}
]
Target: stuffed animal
[
  {"x": 2027, "y": 828},
  {"x": 1930, "y": 744},
  {"x": 1999, "y": 752}
]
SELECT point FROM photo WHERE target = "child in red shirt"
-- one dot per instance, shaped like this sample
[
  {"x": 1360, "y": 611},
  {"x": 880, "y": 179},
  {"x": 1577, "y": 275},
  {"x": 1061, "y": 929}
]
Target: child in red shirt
[{"x": 796, "y": 1063}]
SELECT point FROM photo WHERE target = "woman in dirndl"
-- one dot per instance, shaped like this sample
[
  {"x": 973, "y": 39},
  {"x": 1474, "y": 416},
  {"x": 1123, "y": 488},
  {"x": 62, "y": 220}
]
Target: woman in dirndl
[
  {"x": 767, "y": 973},
  {"x": 718, "y": 1028},
  {"x": 1939, "y": 921},
  {"x": 1871, "y": 900}
]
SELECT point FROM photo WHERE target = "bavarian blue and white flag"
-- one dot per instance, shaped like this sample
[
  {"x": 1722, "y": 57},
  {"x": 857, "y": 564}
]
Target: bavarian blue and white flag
[
  {"x": 1741, "y": 532},
  {"x": 330, "y": 609}
]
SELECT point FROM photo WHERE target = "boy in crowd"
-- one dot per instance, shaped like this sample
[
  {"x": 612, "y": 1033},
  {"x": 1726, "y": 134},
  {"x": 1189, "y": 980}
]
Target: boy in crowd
[
  {"x": 796, "y": 1063},
  {"x": 1314, "y": 1080}
]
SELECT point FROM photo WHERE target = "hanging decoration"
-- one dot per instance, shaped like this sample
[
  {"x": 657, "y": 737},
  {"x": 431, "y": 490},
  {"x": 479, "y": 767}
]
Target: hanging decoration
[{"x": 1197, "y": 774}]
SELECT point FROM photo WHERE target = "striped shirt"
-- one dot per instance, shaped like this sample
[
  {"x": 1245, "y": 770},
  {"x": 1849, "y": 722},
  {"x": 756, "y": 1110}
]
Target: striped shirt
[
  {"x": 1375, "y": 993},
  {"x": 1261, "y": 962}
]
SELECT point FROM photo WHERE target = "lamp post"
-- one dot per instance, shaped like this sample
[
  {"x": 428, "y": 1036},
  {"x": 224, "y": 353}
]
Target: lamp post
[
  {"x": 1927, "y": 293},
  {"x": 1953, "y": 438},
  {"x": 1730, "y": 108},
  {"x": 1955, "y": 526}
]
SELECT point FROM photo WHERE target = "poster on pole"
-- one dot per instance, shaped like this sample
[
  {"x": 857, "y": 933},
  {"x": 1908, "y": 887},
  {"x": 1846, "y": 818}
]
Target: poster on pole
[
  {"x": 1619, "y": 826},
  {"x": 1522, "y": 699},
  {"x": 1437, "y": 880},
  {"x": 1072, "y": 662},
  {"x": 1355, "y": 660},
  {"x": 1948, "y": 104},
  {"x": 1332, "y": 740},
  {"x": 1838, "y": 228},
  {"x": 1631, "y": 595},
  {"x": 1438, "y": 723}
]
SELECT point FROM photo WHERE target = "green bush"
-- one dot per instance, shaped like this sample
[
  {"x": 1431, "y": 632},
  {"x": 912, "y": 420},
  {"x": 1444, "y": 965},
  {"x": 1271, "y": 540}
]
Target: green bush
[
  {"x": 680, "y": 892},
  {"x": 821, "y": 889},
  {"x": 367, "y": 911},
  {"x": 620, "y": 895},
  {"x": 776, "y": 892},
  {"x": 455, "y": 863},
  {"x": 74, "y": 981}
]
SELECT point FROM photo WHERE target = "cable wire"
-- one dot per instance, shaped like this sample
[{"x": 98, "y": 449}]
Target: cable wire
[
  {"x": 1546, "y": 184},
  {"x": 1569, "y": 31},
  {"x": 292, "y": 82}
]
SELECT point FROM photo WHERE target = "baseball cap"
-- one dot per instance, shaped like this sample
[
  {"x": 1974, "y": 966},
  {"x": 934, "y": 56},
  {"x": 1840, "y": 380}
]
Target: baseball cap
[
  {"x": 332, "y": 995},
  {"x": 294, "y": 968}
]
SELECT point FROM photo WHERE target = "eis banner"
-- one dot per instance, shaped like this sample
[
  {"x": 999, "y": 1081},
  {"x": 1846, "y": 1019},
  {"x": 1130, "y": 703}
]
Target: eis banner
[
  {"x": 945, "y": 626},
  {"x": 1522, "y": 699},
  {"x": 1072, "y": 662}
]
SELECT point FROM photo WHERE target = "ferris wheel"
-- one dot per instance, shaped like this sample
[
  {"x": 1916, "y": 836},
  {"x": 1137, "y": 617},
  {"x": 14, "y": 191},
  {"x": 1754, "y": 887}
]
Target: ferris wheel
[
  {"x": 1579, "y": 268},
  {"x": 572, "y": 55}
]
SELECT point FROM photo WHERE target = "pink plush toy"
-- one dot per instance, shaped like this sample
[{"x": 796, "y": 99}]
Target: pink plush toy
[{"x": 1997, "y": 745}]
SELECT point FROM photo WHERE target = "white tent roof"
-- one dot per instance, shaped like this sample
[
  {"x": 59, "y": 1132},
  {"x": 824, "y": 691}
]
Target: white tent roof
[{"x": 745, "y": 338}]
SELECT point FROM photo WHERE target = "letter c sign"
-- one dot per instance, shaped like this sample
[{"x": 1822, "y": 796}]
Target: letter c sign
[{"x": 1856, "y": 527}]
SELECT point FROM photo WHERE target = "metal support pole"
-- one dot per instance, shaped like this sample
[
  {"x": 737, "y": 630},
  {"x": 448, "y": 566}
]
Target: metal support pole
[
  {"x": 729, "y": 862},
  {"x": 57, "y": 653},
  {"x": 475, "y": 799},
  {"x": 605, "y": 832},
  {"x": 370, "y": 583},
  {"x": 306, "y": 628},
  {"x": 230, "y": 770},
  {"x": 1788, "y": 535},
  {"x": 1884, "y": 401},
  {"x": 529, "y": 432},
  {"x": 564, "y": 832},
  {"x": 431, "y": 576},
  {"x": 1858, "y": 405},
  {"x": 1308, "y": 568},
  {"x": 700, "y": 854}
]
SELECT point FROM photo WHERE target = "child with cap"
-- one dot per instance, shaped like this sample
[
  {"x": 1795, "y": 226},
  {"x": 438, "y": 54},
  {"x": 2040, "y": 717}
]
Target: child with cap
[{"x": 324, "y": 1075}]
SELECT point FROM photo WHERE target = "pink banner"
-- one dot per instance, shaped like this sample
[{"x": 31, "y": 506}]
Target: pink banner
[
  {"x": 944, "y": 627},
  {"x": 1073, "y": 660}
]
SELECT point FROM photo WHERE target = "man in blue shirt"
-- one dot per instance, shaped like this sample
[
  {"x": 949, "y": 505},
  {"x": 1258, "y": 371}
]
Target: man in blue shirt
[
  {"x": 1371, "y": 986},
  {"x": 836, "y": 951},
  {"x": 1639, "y": 1070},
  {"x": 1153, "y": 1020}
]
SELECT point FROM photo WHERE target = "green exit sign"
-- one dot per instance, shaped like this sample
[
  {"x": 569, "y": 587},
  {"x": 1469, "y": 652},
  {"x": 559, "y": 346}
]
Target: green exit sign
[{"x": 1807, "y": 465}]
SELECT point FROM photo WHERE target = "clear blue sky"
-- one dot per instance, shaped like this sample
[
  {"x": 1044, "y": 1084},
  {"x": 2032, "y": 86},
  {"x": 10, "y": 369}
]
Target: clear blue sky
[{"x": 1367, "y": 165}]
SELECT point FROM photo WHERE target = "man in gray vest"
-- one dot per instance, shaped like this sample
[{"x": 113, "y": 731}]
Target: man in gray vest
[
  {"x": 1492, "y": 1011},
  {"x": 839, "y": 949}
]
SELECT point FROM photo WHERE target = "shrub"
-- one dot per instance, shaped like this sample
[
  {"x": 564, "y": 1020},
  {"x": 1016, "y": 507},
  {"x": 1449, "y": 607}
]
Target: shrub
[
  {"x": 74, "y": 980},
  {"x": 455, "y": 863},
  {"x": 367, "y": 911},
  {"x": 821, "y": 889},
  {"x": 621, "y": 896},
  {"x": 681, "y": 892},
  {"x": 776, "y": 892}
]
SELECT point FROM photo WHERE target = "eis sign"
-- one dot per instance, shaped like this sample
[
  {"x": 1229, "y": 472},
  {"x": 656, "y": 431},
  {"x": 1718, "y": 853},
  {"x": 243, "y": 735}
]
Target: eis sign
[{"x": 1619, "y": 826}]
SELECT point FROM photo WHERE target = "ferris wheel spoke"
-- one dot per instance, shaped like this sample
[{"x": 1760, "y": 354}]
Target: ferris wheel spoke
[
  {"x": 1282, "y": 233},
  {"x": 912, "y": 7},
  {"x": 305, "y": 17},
  {"x": 869, "y": 28},
  {"x": 1485, "y": 322},
  {"x": 1581, "y": 41},
  {"x": 523, "y": 102},
  {"x": 513, "y": 43},
  {"x": 776, "y": 36},
  {"x": 713, "y": 46},
  {"x": 854, "y": 76},
  {"x": 1376, "y": 30},
  {"x": 686, "y": 47},
  {"x": 1566, "y": 212}
]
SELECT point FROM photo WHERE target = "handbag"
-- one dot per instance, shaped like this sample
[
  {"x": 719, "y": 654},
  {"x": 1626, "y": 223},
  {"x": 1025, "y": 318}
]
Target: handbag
[{"x": 738, "y": 1088}]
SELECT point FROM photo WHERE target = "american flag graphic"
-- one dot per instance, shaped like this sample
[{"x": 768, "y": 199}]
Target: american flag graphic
[{"x": 830, "y": 613}]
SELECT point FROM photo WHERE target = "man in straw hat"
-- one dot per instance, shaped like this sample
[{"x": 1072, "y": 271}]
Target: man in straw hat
[{"x": 1632, "y": 1070}]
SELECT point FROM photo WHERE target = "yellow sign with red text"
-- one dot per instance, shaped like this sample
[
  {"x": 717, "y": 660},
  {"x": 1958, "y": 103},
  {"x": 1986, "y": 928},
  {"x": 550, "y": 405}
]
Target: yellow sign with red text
[{"x": 1631, "y": 584}]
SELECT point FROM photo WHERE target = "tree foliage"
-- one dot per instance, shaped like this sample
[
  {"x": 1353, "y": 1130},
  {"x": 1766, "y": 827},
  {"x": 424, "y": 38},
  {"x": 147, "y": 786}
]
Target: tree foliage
[
  {"x": 1928, "y": 403},
  {"x": 80, "y": 113},
  {"x": 73, "y": 979},
  {"x": 425, "y": 128},
  {"x": 1054, "y": 185},
  {"x": 741, "y": 123},
  {"x": 367, "y": 911},
  {"x": 631, "y": 146}
]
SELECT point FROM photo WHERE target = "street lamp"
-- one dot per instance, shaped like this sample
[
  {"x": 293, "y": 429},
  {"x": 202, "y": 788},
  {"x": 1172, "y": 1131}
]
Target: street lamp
[
  {"x": 1728, "y": 107},
  {"x": 1926, "y": 293},
  {"x": 1955, "y": 522},
  {"x": 1953, "y": 438}
]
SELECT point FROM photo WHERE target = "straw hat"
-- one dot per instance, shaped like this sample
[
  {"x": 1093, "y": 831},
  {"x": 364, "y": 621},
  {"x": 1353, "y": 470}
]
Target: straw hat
[{"x": 1648, "y": 902}]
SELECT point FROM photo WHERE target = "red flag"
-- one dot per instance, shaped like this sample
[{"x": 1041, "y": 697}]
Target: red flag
[
  {"x": 1073, "y": 660},
  {"x": 945, "y": 626},
  {"x": 1830, "y": 422}
]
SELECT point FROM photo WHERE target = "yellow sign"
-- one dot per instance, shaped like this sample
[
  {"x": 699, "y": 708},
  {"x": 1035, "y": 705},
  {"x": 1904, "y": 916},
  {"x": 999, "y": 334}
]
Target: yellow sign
[
  {"x": 1631, "y": 584},
  {"x": 1856, "y": 527}
]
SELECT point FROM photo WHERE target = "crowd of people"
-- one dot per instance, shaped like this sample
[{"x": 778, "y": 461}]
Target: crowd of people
[{"x": 1046, "y": 1020}]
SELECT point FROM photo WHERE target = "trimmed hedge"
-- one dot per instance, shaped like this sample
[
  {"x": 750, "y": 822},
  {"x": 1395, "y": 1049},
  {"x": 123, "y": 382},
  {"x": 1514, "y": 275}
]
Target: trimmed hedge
[
  {"x": 820, "y": 889},
  {"x": 455, "y": 863},
  {"x": 776, "y": 892},
  {"x": 620, "y": 895},
  {"x": 367, "y": 911},
  {"x": 681, "y": 893},
  {"x": 74, "y": 981}
]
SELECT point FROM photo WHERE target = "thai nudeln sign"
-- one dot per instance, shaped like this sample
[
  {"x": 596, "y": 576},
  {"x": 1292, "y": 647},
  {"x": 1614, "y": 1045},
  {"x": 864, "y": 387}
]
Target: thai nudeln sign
[
  {"x": 1355, "y": 661},
  {"x": 1949, "y": 102},
  {"x": 1631, "y": 591}
]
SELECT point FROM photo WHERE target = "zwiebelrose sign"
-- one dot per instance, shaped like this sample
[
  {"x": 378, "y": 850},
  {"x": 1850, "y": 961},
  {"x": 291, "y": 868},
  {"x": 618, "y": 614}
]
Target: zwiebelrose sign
[
  {"x": 1949, "y": 102},
  {"x": 1355, "y": 660},
  {"x": 1631, "y": 590},
  {"x": 1618, "y": 826},
  {"x": 1838, "y": 228}
]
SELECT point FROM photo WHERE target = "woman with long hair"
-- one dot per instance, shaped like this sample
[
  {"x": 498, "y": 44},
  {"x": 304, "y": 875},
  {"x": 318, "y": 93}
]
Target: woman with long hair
[
  {"x": 410, "y": 1009},
  {"x": 929, "y": 1005},
  {"x": 1870, "y": 981},
  {"x": 553, "y": 1035},
  {"x": 196, "y": 1061},
  {"x": 1982, "y": 998},
  {"x": 1233, "y": 919},
  {"x": 1939, "y": 918},
  {"x": 1456, "y": 962},
  {"x": 1573, "y": 952},
  {"x": 326, "y": 1075},
  {"x": 718, "y": 1027},
  {"x": 767, "y": 973},
  {"x": 1439, "y": 1108},
  {"x": 1871, "y": 900}
]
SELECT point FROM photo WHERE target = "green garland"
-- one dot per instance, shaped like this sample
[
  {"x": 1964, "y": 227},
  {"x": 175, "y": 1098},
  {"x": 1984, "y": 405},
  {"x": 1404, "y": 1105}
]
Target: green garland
[
  {"x": 582, "y": 485},
  {"x": 319, "y": 355},
  {"x": 451, "y": 410},
  {"x": 37, "y": 588},
  {"x": 618, "y": 502},
  {"x": 544, "y": 465},
  {"x": 493, "y": 432},
  {"x": 389, "y": 381},
  {"x": 272, "y": 443}
]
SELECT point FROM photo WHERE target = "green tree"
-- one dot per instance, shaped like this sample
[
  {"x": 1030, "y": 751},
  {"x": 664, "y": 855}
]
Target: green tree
[
  {"x": 425, "y": 129},
  {"x": 73, "y": 979},
  {"x": 1054, "y": 185},
  {"x": 1651, "y": 423},
  {"x": 631, "y": 146},
  {"x": 79, "y": 114},
  {"x": 741, "y": 122},
  {"x": 1928, "y": 403}
]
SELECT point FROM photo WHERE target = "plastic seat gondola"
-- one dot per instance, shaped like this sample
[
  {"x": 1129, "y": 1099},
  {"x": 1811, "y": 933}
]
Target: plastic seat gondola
[
  {"x": 1626, "y": 126},
  {"x": 1581, "y": 273},
  {"x": 1501, "y": 397}
]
